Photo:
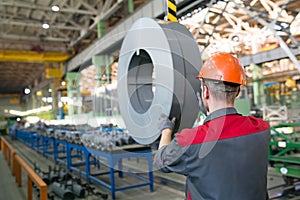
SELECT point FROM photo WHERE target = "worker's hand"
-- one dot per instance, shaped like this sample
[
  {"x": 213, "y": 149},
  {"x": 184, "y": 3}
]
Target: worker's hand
[
  {"x": 166, "y": 130},
  {"x": 167, "y": 123}
]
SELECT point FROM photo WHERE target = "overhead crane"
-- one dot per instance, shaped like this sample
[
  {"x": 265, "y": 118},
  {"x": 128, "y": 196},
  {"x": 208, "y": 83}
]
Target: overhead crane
[{"x": 33, "y": 56}]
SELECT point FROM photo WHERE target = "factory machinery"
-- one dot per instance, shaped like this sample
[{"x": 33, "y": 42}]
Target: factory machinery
[
  {"x": 284, "y": 156},
  {"x": 92, "y": 153},
  {"x": 64, "y": 185}
]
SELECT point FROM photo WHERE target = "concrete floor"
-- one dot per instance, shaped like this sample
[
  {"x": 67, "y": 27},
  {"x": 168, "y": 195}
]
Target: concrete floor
[
  {"x": 162, "y": 189},
  {"x": 8, "y": 186},
  {"x": 167, "y": 186}
]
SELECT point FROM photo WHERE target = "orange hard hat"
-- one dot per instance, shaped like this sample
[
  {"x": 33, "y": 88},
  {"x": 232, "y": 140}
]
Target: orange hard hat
[{"x": 223, "y": 67}]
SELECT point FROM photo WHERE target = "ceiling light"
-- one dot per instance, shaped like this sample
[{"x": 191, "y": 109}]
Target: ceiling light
[
  {"x": 39, "y": 93},
  {"x": 55, "y": 8},
  {"x": 277, "y": 27},
  {"x": 235, "y": 38},
  {"x": 45, "y": 26},
  {"x": 27, "y": 91}
]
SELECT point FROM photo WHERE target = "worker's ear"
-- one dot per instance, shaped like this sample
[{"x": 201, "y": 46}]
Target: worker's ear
[{"x": 205, "y": 92}]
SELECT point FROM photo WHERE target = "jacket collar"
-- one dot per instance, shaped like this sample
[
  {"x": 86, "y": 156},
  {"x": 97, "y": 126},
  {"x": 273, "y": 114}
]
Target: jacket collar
[{"x": 220, "y": 113}]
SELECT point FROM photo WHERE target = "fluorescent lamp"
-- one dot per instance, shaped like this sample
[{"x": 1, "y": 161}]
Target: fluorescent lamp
[
  {"x": 27, "y": 91},
  {"x": 45, "y": 26},
  {"x": 55, "y": 8}
]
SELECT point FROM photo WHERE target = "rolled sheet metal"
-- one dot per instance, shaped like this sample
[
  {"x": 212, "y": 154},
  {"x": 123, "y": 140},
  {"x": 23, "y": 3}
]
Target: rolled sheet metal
[{"x": 158, "y": 64}]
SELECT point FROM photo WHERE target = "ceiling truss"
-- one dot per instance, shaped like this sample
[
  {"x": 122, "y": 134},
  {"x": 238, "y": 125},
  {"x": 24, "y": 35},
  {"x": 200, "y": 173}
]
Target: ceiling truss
[
  {"x": 74, "y": 27},
  {"x": 71, "y": 30}
]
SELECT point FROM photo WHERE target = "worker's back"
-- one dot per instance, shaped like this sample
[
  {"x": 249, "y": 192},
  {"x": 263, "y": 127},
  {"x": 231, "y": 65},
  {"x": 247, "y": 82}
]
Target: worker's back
[{"x": 224, "y": 159}]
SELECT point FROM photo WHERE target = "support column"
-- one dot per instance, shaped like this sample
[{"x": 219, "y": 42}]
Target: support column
[
  {"x": 258, "y": 87},
  {"x": 101, "y": 28},
  {"x": 130, "y": 6},
  {"x": 103, "y": 65},
  {"x": 34, "y": 98},
  {"x": 75, "y": 101},
  {"x": 54, "y": 95},
  {"x": 33, "y": 101},
  {"x": 61, "y": 114}
]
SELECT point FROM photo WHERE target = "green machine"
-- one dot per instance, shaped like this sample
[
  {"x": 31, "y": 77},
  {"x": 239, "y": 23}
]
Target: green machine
[{"x": 284, "y": 150}]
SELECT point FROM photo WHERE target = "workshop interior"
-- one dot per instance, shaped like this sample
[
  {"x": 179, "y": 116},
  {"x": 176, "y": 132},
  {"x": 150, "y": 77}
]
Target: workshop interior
[{"x": 85, "y": 83}]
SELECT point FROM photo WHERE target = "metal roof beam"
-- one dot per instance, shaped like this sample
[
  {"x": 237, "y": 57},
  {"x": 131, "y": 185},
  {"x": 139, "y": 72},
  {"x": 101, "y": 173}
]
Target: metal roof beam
[
  {"x": 32, "y": 38},
  {"x": 88, "y": 6},
  {"x": 270, "y": 26},
  {"x": 267, "y": 56},
  {"x": 21, "y": 23},
  {"x": 102, "y": 16},
  {"x": 113, "y": 39},
  {"x": 21, "y": 4}
]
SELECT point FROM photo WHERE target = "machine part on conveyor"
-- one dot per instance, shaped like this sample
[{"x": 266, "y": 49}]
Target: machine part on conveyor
[
  {"x": 50, "y": 133},
  {"x": 77, "y": 189},
  {"x": 105, "y": 139},
  {"x": 62, "y": 191},
  {"x": 53, "y": 175},
  {"x": 60, "y": 134},
  {"x": 73, "y": 137},
  {"x": 43, "y": 175},
  {"x": 158, "y": 64},
  {"x": 64, "y": 175}
]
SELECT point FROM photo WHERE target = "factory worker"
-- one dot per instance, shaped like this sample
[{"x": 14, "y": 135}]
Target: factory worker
[{"x": 226, "y": 158}]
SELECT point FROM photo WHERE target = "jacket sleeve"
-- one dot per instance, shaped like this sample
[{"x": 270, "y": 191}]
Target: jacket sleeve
[{"x": 172, "y": 158}]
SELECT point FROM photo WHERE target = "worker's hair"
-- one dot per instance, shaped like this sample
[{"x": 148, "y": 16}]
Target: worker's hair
[{"x": 224, "y": 91}]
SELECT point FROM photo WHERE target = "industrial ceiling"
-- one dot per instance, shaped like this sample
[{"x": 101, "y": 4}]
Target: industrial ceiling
[
  {"x": 35, "y": 34},
  {"x": 24, "y": 43}
]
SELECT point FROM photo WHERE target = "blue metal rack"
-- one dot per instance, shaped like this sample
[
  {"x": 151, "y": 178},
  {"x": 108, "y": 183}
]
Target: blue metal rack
[
  {"x": 64, "y": 152},
  {"x": 116, "y": 157},
  {"x": 60, "y": 151},
  {"x": 48, "y": 147}
]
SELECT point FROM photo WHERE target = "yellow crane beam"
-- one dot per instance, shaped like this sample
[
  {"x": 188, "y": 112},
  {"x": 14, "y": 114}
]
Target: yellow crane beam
[{"x": 32, "y": 56}]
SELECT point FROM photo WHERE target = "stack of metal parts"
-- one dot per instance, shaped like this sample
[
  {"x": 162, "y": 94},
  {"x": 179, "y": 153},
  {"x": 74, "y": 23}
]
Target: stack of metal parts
[
  {"x": 65, "y": 186},
  {"x": 60, "y": 134},
  {"x": 73, "y": 137},
  {"x": 69, "y": 136},
  {"x": 103, "y": 138},
  {"x": 106, "y": 139},
  {"x": 47, "y": 133}
]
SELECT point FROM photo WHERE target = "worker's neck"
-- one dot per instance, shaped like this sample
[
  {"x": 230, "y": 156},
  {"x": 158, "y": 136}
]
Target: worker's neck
[{"x": 219, "y": 105}]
